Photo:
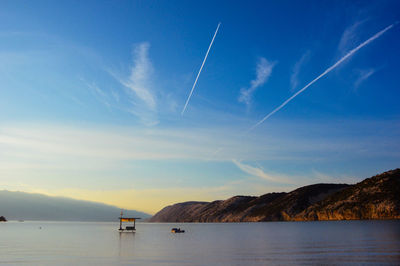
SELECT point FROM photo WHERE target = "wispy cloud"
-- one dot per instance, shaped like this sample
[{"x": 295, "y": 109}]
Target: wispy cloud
[
  {"x": 112, "y": 143},
  {"x": 99, "y": 94},
  {"x": 139, "y": 79},
  {"x": 263, "y": 72},
  {"x": 363, "y": 76},
  {"x": 259, "y": 172},
  {"x": 325, "y": 178},
  {"x": 138, "y": 84},
  {"x": 294, "y": 78},
  {"x": 36, "y": 153},
  {"x": 294, "y": 181},
  {"x": 349, "y": 37},
  {"x": 329, "y": 69}
]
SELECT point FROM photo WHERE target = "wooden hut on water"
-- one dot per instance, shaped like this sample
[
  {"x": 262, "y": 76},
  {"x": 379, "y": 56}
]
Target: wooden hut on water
[{"x": 127, "y": 219}]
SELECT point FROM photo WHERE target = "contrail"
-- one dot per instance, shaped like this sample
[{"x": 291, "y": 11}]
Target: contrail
[
  {"x": 377, "y": 35},
  {"x": 198, "y": 74}
]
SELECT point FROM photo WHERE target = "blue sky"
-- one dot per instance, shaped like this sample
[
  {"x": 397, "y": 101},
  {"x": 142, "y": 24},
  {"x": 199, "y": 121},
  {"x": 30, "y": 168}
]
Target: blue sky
[{"x": 91, "y": 95}]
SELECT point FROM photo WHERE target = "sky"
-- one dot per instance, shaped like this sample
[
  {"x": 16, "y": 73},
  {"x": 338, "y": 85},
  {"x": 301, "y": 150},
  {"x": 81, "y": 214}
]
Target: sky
[{"x": 93, "y": 94}]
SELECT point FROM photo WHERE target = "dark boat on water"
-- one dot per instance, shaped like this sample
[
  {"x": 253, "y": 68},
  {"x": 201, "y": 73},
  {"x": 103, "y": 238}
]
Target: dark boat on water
[{"x": 177, "y": 230}]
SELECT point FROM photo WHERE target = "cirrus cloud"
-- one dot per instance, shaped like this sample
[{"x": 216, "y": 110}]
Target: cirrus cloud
[{"x": 263, "y": 72}]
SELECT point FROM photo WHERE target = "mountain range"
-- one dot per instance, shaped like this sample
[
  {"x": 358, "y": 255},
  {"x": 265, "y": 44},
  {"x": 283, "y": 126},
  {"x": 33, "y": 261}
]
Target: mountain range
[
  {"x": 377, "y": 197},
  {"x": 30, "y": 206}
]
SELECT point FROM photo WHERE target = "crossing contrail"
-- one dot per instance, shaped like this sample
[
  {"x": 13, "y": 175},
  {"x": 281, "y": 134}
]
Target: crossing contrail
[
  {"x": 377, "y": 35},
  {"x": 198, "y": 74}
]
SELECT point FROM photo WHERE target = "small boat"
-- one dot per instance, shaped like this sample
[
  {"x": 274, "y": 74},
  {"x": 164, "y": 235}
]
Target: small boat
[{"x": 177, "y": 230}]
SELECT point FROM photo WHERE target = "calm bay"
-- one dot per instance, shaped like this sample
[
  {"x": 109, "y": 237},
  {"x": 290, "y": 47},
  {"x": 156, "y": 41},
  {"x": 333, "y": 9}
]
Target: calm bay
[{"x": 272, "y": 243}]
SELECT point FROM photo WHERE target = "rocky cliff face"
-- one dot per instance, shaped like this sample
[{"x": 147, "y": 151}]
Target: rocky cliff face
[
  {"x": 268, "y": 207},
  {"x": 374, "y": 198},
  {"x": 377, "y": 197},
  {"x": 179, "y": 212}
]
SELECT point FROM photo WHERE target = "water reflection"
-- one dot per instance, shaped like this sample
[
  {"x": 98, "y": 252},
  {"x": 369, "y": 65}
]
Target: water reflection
[{"x": 126, "y": 244}]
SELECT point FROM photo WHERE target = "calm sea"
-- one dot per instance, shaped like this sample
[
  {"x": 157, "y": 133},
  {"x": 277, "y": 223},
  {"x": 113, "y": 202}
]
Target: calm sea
[{"x": 79, "y": 243}]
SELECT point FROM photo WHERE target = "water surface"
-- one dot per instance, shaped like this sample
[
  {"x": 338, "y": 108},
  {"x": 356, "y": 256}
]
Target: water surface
[{"x": 82, "y": 243}]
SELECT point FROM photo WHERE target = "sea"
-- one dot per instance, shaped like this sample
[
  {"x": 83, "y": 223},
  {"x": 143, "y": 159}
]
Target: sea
[{"x": 270, "y": 243}]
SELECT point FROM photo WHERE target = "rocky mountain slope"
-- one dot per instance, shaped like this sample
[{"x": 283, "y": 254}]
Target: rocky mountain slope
[
  {"x": 268, "y": 207},
  {"x": 377, "y": 197}
]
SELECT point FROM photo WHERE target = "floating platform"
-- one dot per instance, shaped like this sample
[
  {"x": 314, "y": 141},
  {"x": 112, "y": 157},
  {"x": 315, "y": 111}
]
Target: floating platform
[{"x": 129, "y": 228}]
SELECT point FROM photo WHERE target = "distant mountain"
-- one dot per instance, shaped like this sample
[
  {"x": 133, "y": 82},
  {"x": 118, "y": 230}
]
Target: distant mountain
[
  {"x": 28, "y": 206},
  {"x": 377, "y": 197}
]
